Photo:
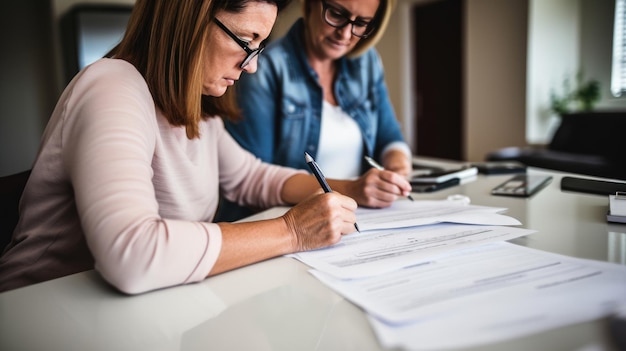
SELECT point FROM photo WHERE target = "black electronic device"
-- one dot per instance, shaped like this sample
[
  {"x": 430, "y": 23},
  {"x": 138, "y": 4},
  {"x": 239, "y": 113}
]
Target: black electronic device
[
  {"x": 522, "y": 185},
  {"x": 419, "y": 187},
  {"x": 592, "y": 186},
  {"x": 445, "y": 175},
  {"x": 499, "y": 167}
]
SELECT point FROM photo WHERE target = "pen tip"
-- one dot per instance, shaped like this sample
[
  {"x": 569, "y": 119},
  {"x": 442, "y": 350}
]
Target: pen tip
[{"x": 307, "y": 157}]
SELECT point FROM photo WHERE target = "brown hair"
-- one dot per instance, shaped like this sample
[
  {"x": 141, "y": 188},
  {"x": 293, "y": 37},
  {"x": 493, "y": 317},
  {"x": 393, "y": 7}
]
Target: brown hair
[
  {"x": 165, "y": 40},
  {"x": 380, "y": 21}
]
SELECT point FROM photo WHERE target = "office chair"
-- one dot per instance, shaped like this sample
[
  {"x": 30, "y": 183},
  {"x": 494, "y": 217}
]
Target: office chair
[
  {"x": 589, "y": 143},
  {"x": 11, "y": 188}
]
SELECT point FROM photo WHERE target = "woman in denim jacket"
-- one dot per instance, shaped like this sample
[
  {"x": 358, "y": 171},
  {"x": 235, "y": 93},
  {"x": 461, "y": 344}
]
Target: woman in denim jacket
[{"x": 321, "y": 89}]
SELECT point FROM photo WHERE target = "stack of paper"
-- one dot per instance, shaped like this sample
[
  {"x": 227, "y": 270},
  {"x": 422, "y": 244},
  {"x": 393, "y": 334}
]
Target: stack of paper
[
  {"x": 483, "y": 294},
  {"x": 617, "y": 207},
  {"x": 421, "y": 280}
]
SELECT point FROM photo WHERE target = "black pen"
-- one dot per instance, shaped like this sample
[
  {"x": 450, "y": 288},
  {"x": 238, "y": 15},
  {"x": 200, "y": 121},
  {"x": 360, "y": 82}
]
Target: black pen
[
  {"x": 320, "y": 177},
  {"x": 379, "y": 167}
]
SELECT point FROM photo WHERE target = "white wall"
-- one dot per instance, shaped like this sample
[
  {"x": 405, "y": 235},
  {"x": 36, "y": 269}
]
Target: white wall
[
  {"x": 554, "y": 31},
  {"x": 596, "y": 48},
  {"x": 395, "y": 50},
  {"x": 495, "y": 75}
]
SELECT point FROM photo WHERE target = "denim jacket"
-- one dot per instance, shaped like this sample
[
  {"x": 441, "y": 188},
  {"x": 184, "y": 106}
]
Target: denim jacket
[{"x": 282, "y": 103}]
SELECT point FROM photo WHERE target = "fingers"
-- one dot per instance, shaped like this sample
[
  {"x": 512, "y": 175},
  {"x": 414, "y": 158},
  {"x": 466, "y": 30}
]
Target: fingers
[
  {"x": 321, "y": 220},
  {"x": 382, "y": 188},
  {"x": 394, "y": 183}
]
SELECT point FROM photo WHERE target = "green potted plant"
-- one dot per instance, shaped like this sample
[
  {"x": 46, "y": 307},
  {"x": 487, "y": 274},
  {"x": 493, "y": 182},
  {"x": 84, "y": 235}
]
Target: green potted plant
[{"x": 581, "y": 97}]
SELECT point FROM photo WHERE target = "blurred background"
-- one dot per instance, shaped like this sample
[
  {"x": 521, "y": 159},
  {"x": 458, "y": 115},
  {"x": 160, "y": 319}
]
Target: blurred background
[{"x": 466, "y": 77}]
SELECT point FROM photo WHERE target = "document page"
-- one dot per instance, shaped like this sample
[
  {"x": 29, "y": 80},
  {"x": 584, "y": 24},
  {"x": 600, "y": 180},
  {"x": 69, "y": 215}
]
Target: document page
[
  {"x": 375, "y": 252},
  {"x": 413, "y": 213},
  {"x": 483, "y": 294}
]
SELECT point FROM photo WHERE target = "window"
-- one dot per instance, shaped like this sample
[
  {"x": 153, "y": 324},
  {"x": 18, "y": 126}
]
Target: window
[{"x": 618, "y": 71}]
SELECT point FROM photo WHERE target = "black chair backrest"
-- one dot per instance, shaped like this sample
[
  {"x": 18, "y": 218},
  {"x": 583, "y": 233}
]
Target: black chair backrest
[
  {"x": 11, "y": 188},
  {"x": 591, "y": 133}
]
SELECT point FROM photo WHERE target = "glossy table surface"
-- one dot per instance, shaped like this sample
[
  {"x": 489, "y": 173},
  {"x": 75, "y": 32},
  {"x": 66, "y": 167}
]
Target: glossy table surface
[{"x": 278, "y": 305}]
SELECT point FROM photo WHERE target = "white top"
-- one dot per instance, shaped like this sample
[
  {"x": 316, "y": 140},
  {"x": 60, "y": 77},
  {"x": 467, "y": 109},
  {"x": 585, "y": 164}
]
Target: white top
[{"x": 340, "y": 149}]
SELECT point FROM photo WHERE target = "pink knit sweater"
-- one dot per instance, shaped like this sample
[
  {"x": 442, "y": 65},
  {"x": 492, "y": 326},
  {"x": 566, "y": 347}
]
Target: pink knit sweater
[{"x": 116, "y": 187}]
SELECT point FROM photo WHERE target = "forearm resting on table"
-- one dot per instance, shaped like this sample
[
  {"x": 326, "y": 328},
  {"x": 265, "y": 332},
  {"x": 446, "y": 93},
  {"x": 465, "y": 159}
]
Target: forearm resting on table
[
  {"x": 301, "y": 186},
  {"x": 374, "y": 189},
  {"x": 250, "y": 242}
]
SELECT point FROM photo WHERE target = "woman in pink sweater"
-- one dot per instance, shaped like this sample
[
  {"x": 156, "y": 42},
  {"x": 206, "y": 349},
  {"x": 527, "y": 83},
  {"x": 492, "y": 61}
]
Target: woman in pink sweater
[{"x": 133, "y": 159}]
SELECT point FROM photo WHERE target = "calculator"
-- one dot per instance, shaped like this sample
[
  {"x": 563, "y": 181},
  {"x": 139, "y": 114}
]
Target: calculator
[{"x": 522, "y": 185}]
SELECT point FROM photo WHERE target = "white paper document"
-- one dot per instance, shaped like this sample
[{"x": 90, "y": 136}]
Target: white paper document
[
  {"x": 412, "y": 213},
  {"x": 483, "y": 294},
  {"x": 375, "y": 252}
]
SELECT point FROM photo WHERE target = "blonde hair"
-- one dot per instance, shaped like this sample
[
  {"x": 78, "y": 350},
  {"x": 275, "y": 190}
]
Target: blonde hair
[{"x": 381, "y": 20}]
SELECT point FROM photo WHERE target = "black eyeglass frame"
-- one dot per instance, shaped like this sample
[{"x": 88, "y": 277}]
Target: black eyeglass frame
[
  {"x": 251, "y": 53},
  {"x": 369, "y": 29}
]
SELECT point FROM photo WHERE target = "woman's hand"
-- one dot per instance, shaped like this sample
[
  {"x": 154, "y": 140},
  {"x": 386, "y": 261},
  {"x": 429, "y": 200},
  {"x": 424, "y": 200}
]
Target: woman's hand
[
  {"x": 321, "y": 220},
  {"x": 318, "y": 221},
  {"x": 376, "y": 188}
]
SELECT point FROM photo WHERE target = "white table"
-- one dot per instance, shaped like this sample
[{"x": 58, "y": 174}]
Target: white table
[{"x": 278, "y": 305}]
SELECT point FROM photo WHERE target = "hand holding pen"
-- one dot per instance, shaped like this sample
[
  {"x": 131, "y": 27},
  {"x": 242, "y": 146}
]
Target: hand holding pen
[
  {"x": 320, "y": 177},
  {"x": 376, "y": 165}
]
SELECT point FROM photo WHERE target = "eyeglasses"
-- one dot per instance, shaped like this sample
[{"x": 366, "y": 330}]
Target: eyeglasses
[
  {"x": 251, "y": 53},
  {"x": 339, "y": 18}
]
